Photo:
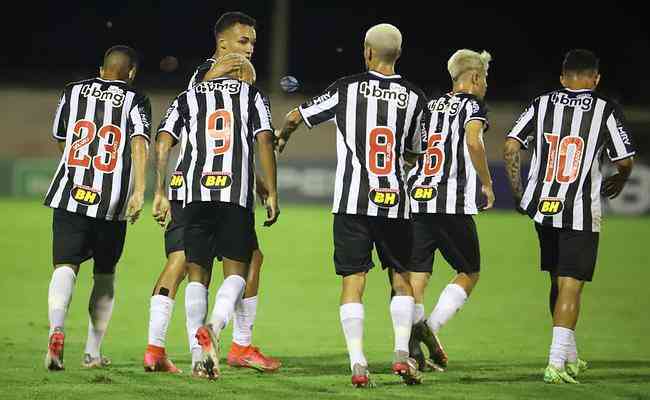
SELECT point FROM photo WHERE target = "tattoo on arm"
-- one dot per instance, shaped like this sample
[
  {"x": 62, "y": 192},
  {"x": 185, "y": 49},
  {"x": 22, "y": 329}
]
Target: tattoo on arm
[{"x": 513, "y": 169}]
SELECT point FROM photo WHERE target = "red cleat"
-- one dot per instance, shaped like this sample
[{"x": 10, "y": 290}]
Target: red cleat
[
  {"x": 360, "y": 376},
  {"x": 251, "y": 357},
  {"x": 155, "y": 360},
  {"x": 54, "y": 356},
  {"x": 209, "y": 343},
  {"x": 408, "y": 370}
]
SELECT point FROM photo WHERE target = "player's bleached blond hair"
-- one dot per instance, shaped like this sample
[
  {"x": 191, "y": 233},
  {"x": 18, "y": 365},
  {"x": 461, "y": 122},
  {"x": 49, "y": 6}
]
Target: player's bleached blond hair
[
  {"x": 465, "y": 60},
  {"x": 385, "y": 40}
]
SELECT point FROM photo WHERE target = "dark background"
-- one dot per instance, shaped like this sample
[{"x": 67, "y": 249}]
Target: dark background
[{"x": 56, "y": 42}]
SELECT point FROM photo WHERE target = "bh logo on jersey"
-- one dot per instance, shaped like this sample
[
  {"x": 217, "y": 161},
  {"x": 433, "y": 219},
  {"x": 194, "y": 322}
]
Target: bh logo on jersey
[
  {"x": 176, "y": 182},
  {"x": 216, "y": 180},
  {"x": 85, "y": 195},
  {"x": 550, "y": 206},
  {"x": 424, "y": 193},
  {"x": 384, "y": 198}
]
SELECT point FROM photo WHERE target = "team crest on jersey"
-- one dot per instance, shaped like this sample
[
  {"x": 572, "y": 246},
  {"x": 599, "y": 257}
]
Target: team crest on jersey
[
  {"x": 216, "y": 180},
  {"x": 85, "y": 195},
  {"x": 176, "y": 181},
  {"x": 399, "y": 94},
  {"x": 583, "y": 101},
  {"x": 550, "y": 206},
  {"x": 113, "y": 94},
  {"x": 384, "y": 198},
  {"x": 424, "y": 193}
]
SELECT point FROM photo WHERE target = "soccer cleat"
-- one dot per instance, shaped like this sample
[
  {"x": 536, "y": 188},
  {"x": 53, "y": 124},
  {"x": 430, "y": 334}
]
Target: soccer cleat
[
  {"x": 576, "y": 368},
  {"x": 407, "y": 368},
  {"x": 209, "y": 343},
  {"x": 437, "y": 353},
  {"x": 198, "y": 371},
  {"x": 95, "y": 362},
  {"x": 360, "y": 376},
  {"x": 251, "y": 357},
  {"x": 415, "y": 351},
  {"x": 555, "y": 375},
  {"x": 54, "y": 356},
  {"x": 155, "y": 360}
]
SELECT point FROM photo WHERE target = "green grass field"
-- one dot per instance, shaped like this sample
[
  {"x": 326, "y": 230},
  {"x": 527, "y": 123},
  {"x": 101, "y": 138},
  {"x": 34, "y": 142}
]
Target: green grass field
[{"x": 497, "y": 344}]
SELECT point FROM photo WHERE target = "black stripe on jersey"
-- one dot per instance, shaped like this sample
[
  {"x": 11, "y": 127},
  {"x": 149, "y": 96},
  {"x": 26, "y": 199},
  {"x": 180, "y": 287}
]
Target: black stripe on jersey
[
  {"x": 547, "y": 125},
  {"x": 217, "y": 162},
  {"x": 461, "y": 177},
  {"x": 565, "y": 130},
  {"x": 570, "y": 196},
  {"x": 400, "y": 121},
  {"x": 126, "y": 179},
  {"x": 237, "y": 150},
  {"x": 343, "y": 129},
  {"x": 200, "y": 137},
  {"x": 57, "y": 178},
  {"x": 382, "y": 120},
  {"x": 184, "y": 165},
  {"x": 361, "y": 136},
  {"x": 107, "y": 181},
  {"x": 66, "y": 198}
]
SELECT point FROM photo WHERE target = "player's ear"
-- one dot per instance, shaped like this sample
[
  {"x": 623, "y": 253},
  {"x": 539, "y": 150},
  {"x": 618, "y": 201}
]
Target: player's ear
[
  {"x": 597, "y": 81},
  {"x": 563, "y": 80},
  {"x": 101, "y": 71},
  {"x": 132, "y": 73}
]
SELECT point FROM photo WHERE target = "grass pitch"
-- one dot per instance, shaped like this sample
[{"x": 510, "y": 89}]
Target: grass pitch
[{"x": 497, "y": 344}]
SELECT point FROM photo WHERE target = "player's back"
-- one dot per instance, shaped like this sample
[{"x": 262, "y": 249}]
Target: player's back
[
  {"x": 97, "y": 119},
  {"x": 568, "y": 131},
  {"x": 444, "y": 180},
  {"x": 221, "y": 118},
  {"x": 378, "y": 119}
]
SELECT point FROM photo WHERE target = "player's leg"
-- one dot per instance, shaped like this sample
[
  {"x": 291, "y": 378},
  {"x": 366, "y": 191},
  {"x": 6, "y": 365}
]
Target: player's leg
[
  {"x": 199, "y": 244},
  {"x": 352, "y": 260},
  {"x": 69, "y": 250},
  {"x": 163, "y": 297},
  {"x": 394, "y": 240},
  {"x": 553, "y": 292}
]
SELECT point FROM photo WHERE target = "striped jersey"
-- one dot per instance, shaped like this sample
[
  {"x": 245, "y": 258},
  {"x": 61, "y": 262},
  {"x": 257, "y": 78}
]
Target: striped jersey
[
  {"x": 221, "y": 119},
  {"x": 97, "y": 119},
  {"x": 378, "y": 118},
  {"x": 444, "y": 180},
  {"x": 176, "y": 184},
  {"x": 568, "y": 130}
]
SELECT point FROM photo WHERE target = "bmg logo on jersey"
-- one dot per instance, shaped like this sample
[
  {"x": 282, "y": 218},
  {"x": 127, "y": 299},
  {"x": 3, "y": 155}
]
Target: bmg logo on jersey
[
  {"x": 550, "y": 206},
  {"x": 85, "y": 195},
  {"x": 384, "y": 198},
  {"x": 583, "y": 101},
  {"x": 444, "y": 104},
  {"x": 400, "y": 95},
  {"x": 424, "y": 193},
  {"x": 176, "y": 181},
  {"x": 216, "y": 180},
  {"x": 113, "y": 94},
  {"x": 230, "y": 86}
]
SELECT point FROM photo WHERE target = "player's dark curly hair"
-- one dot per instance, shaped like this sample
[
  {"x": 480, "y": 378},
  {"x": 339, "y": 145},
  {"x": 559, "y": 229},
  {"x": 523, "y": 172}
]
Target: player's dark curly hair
[
  {"x": 580, "y": 60},
  {"x": 229, "y": 19}
]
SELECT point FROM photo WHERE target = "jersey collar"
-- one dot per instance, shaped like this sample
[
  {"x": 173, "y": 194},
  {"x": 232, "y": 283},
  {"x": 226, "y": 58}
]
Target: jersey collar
[
  {"x": 379, "y": 74},
  {"x": 578, "y": 90},
  {"x": 110, "y": 80}
]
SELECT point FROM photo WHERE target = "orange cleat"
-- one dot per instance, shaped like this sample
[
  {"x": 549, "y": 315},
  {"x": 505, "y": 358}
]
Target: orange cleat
[
  {"x": 155, "y": 360},
  {"x": 251, "y": 357},
  {"x": 54, "y": 356},
  {"x": 209, "y": 342}
]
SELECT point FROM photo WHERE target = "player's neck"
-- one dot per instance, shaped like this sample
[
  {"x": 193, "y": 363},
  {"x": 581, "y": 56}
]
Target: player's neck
[
  {"x": 111, "y": 76},
  {"x": 384, "y": 69},
  {"x": 462, "y": 87}
]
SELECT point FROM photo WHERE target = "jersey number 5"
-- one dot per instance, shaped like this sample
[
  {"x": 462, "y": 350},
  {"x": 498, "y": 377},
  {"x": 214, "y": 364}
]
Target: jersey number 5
[
  {"x": 222, "y": 135},
  {"x": 110, "y": 133},
  {"x": 380, "y": 156},
  {"x": 556, "y": 167}
]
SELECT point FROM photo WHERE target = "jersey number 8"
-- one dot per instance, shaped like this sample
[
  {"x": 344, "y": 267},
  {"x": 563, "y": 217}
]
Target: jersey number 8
[{"x": 380, "y": 157}]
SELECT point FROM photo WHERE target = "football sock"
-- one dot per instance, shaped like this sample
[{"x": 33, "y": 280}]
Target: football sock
[
  {"x": 451, "y": 300},
  {"x": 59, "y": 296},
  {"x": 560, "y": 346},
  {"x": 160, "y": 313},
  {"x": 351, "y": 315},
  {"x": 572, "y": 350},
  {"x": 242, "y": 329},
  {"x": 401, "y": 311},
  {"x": 196, "y": 308},
  {"x": 100, "y": 308},
  {"x": 418, "y": 313},
  {"x": 229, "y": 293}
]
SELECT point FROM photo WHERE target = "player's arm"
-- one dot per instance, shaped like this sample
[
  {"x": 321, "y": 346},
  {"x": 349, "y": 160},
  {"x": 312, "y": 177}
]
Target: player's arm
[
  {"x": 410, "y": 159},
  {"x": 139, "y": 119},
  {"x": 615, "y": 183},
  {"x": 61, "y": 145},
  {"x": 261, "y": 189},
  {"x": 621, "y": 151},
  {"x": 476, "y": 150},
  {"x": 512, "y": 159},
  {"x": 265, "y": 148},
  {"x": 168, "y": 135},
  {"x": 230, "y": 64},
  {"x": 60, "y": 125},
  {"x": 292, "y": 121}
]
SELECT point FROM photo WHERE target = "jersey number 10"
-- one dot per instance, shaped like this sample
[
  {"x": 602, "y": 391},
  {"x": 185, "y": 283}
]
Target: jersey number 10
[{"x": 556, "y": 167}]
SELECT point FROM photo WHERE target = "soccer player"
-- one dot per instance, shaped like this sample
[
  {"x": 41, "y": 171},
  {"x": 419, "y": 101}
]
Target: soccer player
[
  {"x": 444, "y": 194},
  {"x": 234, "y": 35},
  {"x": 568, "y": 130},
  {"x": 222, "y": 119},
  {"x": 102, "y": 127},
  {"x": 378, "y": 118}
]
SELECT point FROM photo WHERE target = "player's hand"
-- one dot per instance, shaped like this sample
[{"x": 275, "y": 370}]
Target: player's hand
[
  {"x": 230, "y": 64},
  {"x": 160, "y": 208},
  {"x": 262, "y": 193},
  {"x": 272, "y": 210},
  {"x": 280, "y": 141},
  {"x": 134, "y": 206},
  {"x": 488, "y": 192},
  {"x": 613, "y": 186}
]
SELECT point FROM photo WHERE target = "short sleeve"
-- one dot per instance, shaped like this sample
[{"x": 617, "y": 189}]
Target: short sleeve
[
  {"x": 261, "y": 114},
  {"x": 60, "y": 125},
  {"x": 477, "y": 111},
  {"x": 321, "y": 108},
  {"x": 416, "y": 137},
  {"x": 524, "y": 126},
  {"x": 140, "y": 118},
  {"x": 171, "y": 122},
  {"x": 619, "y": 144}
]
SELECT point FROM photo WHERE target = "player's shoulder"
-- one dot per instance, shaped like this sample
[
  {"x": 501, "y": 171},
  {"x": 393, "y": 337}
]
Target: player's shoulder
[{"x": 200, "y": 71}]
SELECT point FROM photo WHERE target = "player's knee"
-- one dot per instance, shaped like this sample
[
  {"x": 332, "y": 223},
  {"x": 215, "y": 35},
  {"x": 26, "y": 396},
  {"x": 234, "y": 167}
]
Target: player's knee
[
  {"x": 474, "y": 277},
  {"x": 104, "y": 268},
  {"x": 257, "y": 259}
]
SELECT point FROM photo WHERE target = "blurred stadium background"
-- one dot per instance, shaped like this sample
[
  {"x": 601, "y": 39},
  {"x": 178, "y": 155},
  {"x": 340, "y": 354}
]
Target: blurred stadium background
[{"x": 316, "y": 44}]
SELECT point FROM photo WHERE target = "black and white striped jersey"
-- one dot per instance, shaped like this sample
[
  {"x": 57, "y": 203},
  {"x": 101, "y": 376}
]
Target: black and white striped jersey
[
  {"x": 97, "y": 119},
  {"x": 176, "y": 184},
  {"x": 444, "y": 180},
  {"x": 568, "y": 131},
  {"x": 378, "y": 118},
  {"x": 221, "y": 119}
]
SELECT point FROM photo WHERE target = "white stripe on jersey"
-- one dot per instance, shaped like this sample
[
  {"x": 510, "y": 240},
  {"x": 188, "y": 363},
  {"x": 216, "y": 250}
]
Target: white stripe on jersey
[
  {"x": 537, "y": 160},
  {"x": 371, "y": 122},
  {"x": 117, "y": 177},
  {"x": 327, "y": 104},
  {"x": 55, "y": 126},
  {"x": 392, "y": 179},
  {"x": 596, "y": 179},
  {"x": 210, "y": 101},
  {"x": 224, "y": 194},
  {"x": 189, "y": 176},
  {"x": 350, "y": 139},
  {"x": 616, "y": 139},
  {"x": 452, "y": 179}
]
